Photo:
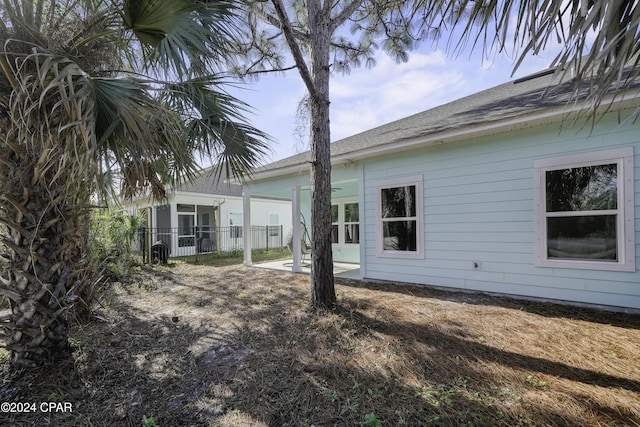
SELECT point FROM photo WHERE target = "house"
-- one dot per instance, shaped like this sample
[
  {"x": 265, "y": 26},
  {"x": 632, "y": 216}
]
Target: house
[
  {"x": 507, "y": 191},
  {"x": 207, "y": 215}
]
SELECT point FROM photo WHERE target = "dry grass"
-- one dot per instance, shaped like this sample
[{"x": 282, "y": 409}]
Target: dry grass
[{"x": 234, "y": 346}]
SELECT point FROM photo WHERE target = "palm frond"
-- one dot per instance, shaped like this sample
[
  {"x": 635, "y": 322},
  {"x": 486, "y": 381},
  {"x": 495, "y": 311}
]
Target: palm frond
[
  {"x": 598, "y": 41},
  {"x": 216, "y": 128},
  {"x": 140, "y": 137},
  {"x": 73, "y": 126},
  {"x": 51, "y": 122},
  {"x": 181, "y": 35}
]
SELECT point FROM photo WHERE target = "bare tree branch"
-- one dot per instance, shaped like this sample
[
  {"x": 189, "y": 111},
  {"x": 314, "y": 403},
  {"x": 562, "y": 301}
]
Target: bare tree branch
[
  {"x": 345, "y": 14},
  {"x": 272, "y": 70},
  {"x": 289, "y": 35}
]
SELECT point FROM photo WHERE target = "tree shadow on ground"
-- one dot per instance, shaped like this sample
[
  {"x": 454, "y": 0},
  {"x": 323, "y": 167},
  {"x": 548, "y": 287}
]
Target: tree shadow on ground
[
  {"x": 238, "y": 347},
  {"x": 541, "y": 308}
]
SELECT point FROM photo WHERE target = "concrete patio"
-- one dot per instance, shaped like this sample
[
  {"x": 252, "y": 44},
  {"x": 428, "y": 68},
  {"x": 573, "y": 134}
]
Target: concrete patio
[{"x": 343, "y": 270}]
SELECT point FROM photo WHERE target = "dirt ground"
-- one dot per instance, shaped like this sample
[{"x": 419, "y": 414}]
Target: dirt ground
[{"x": 193, "y": 345}]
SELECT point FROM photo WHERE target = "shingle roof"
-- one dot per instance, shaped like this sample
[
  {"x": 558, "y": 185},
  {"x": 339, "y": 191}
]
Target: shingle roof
[
  {"x": 526, "y": 95},
  {"x": 206, "y": 183}
]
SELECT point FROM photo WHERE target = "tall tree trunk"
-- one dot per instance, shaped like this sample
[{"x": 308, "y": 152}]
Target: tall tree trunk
[{"x": 322, "y": 280}]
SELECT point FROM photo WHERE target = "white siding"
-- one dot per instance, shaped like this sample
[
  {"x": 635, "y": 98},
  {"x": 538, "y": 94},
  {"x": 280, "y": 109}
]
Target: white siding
[{"x": 478, "y": 208}]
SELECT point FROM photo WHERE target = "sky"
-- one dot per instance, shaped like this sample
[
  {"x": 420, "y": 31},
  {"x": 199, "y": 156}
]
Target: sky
[{"x": 367, "y": 98}]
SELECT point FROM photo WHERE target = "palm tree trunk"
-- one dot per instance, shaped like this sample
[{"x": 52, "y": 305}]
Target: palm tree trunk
[
  {"x": 44, "y": 234},
  {"x": 44, "y": 254},
  {"x": 29, "y": 285}
]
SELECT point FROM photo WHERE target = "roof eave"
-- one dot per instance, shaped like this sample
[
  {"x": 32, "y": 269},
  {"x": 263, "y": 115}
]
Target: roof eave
[{"x": 518, "y": 122}]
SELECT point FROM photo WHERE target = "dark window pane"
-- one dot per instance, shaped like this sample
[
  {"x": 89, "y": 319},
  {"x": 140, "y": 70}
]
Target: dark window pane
[
  {"x": 186, "y": 224},
  {"x": 582, "y": 237},
  {"x": 351, "y": 213},
  {"x": 352, "y": 233},
  {"x": 334, "y": 213},
  {"x": 399, "y": 235},
  {"x": 398, "y": 202},
  {"x": 581, "y": 189},
  {"x": 334, "y": 234}
]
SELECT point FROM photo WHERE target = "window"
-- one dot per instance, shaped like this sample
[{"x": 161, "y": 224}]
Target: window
[
  {"x": 400, "y": 218},
  {"x": 345, "y": 223},
  {"x": 235, "y": 225},
  {"x": 584, "y": 211},
  {"x": 273, "y": 224},
  {"x": 351, "y": 223},
  {"x": 335, "y": 224}
]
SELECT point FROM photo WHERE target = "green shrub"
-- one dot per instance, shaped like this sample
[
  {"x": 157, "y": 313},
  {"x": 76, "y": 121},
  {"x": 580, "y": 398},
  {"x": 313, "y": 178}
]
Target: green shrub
[{"x": 110, "y": 237}]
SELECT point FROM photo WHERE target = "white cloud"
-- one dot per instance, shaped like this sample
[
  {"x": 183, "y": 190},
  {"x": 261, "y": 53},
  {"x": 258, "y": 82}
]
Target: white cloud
[{"x": 371, "y": 97}]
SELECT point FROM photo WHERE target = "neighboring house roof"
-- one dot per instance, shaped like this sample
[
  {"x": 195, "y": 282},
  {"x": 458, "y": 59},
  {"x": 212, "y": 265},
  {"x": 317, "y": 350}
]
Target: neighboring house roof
[
  {"x": 206, "y": 183},
  {"x": 474, "y": 114}
]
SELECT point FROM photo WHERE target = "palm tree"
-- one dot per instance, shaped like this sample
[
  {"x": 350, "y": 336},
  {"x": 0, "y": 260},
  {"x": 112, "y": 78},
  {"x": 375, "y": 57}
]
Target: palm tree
[
  {"x": 598, "y": 42},
  {"x": 100, "y": 98}
]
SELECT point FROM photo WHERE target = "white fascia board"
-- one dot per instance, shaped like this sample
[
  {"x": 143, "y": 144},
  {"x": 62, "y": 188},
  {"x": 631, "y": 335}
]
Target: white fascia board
[
  {"x": 207, "y": 196},
  {"x": 523, "y": 121},
  {"x": 297, "y": 169}
]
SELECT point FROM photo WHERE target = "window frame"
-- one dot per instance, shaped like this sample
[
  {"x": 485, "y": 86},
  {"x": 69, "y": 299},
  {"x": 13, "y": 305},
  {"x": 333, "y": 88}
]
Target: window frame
[
  {"x": 340, "y": 222},
  {"x": 346, "y": 223},
  {"x": 236, "y": 231},
  {"x": 625, "y": 216},
  {"x": 335, "y": 225},
  {"x": 406, "y": 181},
  {"x": 273, "y": 229}
]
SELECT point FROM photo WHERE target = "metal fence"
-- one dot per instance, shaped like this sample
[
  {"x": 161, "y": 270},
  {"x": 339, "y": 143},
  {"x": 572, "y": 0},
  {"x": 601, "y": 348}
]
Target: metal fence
[{"x": 159, "y": 244}]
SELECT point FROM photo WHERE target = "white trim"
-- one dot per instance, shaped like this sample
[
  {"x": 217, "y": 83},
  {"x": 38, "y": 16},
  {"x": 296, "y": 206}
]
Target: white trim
[
  {"x": 585, "y": 159},
  {"x": 521, "y": 121},
  {"x": 623, "y": 157},
  {"x": 246, "y": 225},
  {"x": 296, "y": 248},
  {"x": 344, "y": 223},
  {"x": 173, "y": 212},
  {"x": 406, "y": 181},
  {"x": 340, "y": 202},
  {"x": 363, "y": 224}
]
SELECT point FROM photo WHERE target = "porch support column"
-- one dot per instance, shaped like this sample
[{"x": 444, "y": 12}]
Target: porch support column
[
  {"x": 296, "y": 233},
  {"x": 154, "y": 225},
  {"x": 175, "y": 228},
  {"x": 217, "y": 224},
  {"x": 152, "y": 230},
  {"x": 246, "y": 226}
]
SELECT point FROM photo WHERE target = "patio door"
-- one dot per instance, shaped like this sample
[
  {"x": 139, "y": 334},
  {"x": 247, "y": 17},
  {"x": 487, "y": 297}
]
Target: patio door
[{"x": 186, "y": 230}]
